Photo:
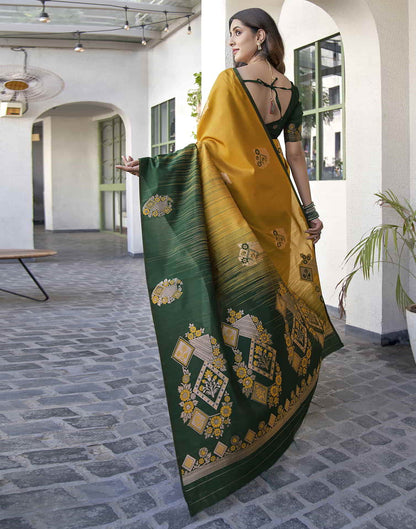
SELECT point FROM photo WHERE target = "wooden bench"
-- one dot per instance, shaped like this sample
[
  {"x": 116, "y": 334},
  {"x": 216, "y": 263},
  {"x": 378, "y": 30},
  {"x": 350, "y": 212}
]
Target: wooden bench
[{"x": 26, "y": 254}]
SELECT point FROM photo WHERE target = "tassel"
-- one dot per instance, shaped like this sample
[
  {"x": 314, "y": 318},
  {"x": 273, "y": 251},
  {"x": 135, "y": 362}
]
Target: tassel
[{"x": 272, "y": 106}]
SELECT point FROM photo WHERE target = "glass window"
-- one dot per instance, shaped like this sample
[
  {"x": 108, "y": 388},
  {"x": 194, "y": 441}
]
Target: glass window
[
  {"x": 319, "y": 74},
  {"x": 306, "y": 76},
  {"x": 309, "y": 145},
  {"x": 163, "y": 127}
]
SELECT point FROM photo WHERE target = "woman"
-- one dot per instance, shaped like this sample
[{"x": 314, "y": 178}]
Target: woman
[{"x": 240, "y": 320}]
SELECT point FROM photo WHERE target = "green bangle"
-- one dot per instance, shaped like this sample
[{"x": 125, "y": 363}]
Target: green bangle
[{"x": 310, "y": 212}]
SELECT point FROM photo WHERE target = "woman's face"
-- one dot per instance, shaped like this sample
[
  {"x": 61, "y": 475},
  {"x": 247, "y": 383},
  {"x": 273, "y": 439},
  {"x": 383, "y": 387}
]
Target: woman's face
[{"x": 243, "y": 41}]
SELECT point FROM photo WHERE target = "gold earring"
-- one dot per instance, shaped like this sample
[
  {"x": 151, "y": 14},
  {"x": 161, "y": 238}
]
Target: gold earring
[{"x": 259, "y": 46}]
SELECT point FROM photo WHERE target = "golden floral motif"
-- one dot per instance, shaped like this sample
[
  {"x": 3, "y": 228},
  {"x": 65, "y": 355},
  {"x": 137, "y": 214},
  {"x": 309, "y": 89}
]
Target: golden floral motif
[
  {"x": 262, "y": 360},
  {"x": 157, "y": 206},
  {"x": 187, "y": 398},
  {"x": 185, "y": 393},
  {"x": 194, "y": 332},
  {"x": 216, "y": 423},
  {"x": 167, "y": 291},
  {"x": 209, "y": 386}
]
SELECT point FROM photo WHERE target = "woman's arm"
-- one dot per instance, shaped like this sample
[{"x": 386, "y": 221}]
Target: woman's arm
[{"x": 297, "y": 163}]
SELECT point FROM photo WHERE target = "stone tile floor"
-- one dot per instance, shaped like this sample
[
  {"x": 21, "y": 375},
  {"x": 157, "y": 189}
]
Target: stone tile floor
[{"x": 85, "y": 439}]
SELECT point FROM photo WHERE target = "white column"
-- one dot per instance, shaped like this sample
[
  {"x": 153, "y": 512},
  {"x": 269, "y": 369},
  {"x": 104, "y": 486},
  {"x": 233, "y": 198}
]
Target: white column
[
  {"x": 137, "y": 142},
  {"x": 47, "y": 173},
  {"x": 16, "y": 202}
]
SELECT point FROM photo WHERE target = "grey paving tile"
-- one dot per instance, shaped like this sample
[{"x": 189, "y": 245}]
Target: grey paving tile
[
  {"x": 396, "y": 518},
  {"x": 175, "y": 517},
  {"x": 278, "y": 477},
  {"x": 44, "y": 476},
  {"x": 342, "y": 478},
  {"x": 47, "y": 413},
  {"x": 109, "y": 468},
  {"x": 28, "y": 502},
  {"x": 218, "y": 523},
  {"x": 375, "y": 438},
  {"x": 251, "y": 516},
  {"x": 356, "y": 505},
  {"x": 252, "y": 490},
  {"x": 412, "y": 503},
  {"x": 386, "y": 458},
  {"x": 15, "y": 523},
  {"x": 149, "y": 476},
  {"x": 309, "y": 465},
  {"x": 314, "y": 491},
  {"x": 122, "y": 445},
  {"x": 403, "y": 478},
  {"x": 78, "y": 518},
  {"x": 355, "y": 446},
  {"x": 93, "y": 421},
  {"x": 379, "y": 492},
  {"x": 282, "y": 504},
  {"x": 333, "y": 455},
  {"x": 57, "y": 455},
  {"x": 327, "y": 517},
  {"x": 104, "y": 490},
  {"x": 294, "y": 523}
]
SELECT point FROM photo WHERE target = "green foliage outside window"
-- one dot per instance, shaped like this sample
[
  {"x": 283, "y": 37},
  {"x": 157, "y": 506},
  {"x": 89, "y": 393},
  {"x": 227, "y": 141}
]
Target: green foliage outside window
[{"x": 194, "y": 99}]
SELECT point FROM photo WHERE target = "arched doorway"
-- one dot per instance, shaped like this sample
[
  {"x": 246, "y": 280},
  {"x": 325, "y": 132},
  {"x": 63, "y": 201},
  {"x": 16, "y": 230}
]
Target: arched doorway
[{"x": 75, "y": 148}]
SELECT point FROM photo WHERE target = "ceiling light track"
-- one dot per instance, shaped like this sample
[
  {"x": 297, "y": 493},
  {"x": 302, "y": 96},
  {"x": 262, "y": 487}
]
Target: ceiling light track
[{"x": 169, "y": 16}]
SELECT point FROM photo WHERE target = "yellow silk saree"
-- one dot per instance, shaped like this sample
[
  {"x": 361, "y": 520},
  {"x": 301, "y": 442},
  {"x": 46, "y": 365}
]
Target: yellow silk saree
[{"x": 236, "y": 300}]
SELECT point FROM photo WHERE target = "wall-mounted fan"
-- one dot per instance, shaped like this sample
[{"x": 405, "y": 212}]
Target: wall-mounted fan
[{"x": 18, "y": 86}]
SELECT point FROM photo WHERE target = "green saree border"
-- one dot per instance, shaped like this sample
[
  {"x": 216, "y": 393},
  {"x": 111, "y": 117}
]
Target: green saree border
[{"x": 249, "y": 472}]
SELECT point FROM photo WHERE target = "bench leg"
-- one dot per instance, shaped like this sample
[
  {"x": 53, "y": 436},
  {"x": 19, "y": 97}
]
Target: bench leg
[{"x": 34, "y": 280}]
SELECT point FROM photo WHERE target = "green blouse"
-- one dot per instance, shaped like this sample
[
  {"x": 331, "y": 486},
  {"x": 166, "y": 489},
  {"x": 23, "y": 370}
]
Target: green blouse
[{"x": 291, "y": 121}]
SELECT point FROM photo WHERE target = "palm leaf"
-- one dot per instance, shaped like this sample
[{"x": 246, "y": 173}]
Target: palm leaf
[
  {"x": 402, "y": 298},
  {"x": 384, "y": 243}
]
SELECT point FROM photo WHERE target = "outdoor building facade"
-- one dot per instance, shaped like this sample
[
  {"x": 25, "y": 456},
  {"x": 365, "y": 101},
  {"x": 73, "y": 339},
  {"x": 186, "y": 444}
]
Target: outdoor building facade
[{"x": 355, "y": 65}]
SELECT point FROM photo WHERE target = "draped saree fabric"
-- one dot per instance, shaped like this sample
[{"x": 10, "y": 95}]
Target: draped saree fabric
[{"x": 236, "y": 300}]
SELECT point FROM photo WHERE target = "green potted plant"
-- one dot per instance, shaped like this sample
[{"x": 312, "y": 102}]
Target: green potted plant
[{"x": 388, "y": 243}]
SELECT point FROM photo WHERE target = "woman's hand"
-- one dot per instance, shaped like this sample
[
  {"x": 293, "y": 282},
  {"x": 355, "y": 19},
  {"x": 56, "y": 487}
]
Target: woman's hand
[
  {"x": 130, "y": 166},
  {"x": 315, "y": 228}
]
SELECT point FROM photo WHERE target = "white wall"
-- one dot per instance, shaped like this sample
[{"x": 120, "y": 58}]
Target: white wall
[
  {"x": 301, "y": 23},
  {"x": 72, "y": 174},
  {"x": 115, "y": 77},
  {"x": 412, "y": 119},
  {"x": 170, "y": 72}
]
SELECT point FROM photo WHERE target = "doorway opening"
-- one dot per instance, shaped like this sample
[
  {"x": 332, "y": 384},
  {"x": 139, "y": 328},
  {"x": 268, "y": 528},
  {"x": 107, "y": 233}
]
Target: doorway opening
[{"x": 112, "y": 140}]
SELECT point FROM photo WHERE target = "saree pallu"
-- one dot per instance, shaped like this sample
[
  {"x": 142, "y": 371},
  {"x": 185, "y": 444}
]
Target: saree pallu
[{"x": 236, "y": 300}]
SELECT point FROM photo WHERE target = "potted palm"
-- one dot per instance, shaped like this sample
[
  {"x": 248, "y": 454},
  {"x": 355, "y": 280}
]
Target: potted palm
[{"x": 388, "y": 243}]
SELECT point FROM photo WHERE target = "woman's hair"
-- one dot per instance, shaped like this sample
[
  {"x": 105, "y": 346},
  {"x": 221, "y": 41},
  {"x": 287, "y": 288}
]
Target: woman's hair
[{"x": 273, "y": 48}]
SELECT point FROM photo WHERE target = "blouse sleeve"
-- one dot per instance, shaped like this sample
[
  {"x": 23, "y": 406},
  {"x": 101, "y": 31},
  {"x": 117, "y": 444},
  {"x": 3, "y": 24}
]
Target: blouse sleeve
[{"x": 293, "y": 126}]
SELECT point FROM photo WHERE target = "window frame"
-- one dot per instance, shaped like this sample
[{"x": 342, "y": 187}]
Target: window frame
[
  {"x": 318, "y": 110},
  {"x": 170, "y": 143}
]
